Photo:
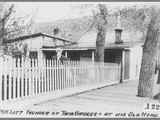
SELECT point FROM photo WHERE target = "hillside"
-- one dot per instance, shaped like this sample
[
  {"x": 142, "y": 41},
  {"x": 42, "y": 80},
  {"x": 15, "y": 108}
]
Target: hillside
[
  {"x": 74, "y": 29},
  {"x": 71, "y": 29}
]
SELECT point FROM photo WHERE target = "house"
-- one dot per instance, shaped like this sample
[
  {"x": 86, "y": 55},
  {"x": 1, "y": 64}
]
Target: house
[
  {"x": 38, "y": 45},
  {"x": 120, "y": 48},
  {"x": 124, "y": 48}
]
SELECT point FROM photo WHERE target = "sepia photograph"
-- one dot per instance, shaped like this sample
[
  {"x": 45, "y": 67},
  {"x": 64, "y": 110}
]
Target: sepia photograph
[{"x": 80, "y": 59}]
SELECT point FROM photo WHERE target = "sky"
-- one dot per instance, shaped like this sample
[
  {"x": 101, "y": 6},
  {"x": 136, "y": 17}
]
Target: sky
[
  {"x": 46, "y": 11},
  {"x": 51, "y": 11}
]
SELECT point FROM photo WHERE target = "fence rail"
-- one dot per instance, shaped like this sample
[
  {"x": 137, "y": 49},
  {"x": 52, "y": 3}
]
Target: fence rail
[{"x": 22, "y": 78}]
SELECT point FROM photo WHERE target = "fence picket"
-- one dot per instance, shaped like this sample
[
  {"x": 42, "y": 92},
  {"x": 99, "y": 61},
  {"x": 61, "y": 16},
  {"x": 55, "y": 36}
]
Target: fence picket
[
  {"x": 44, "y": 74},
  {"x": 47, "y": 75},
  {"x": 35, "y": 80},
  {"x": 25, "y": 74},
  {"x": 50, "y": 77},
  {"x": 62, "y": 75},
  {"x": 10, "y": 80},
  {"x": 57, "y": 82},
  {"x": 1, "y": 81},
  {"x": 20, "y": 78},
  {"x": 39, "y": 78},
  {"x": 59, "y": 77},
  {"x": 54, "y": 71},
  {"x": 65, "y": 76},
  {"x": 47, "y": 79},
  {"x": 41, "y": 67},
  {"x": 5, "y": 82},
  {"x": 32, "y": 78},
  {"x": 69, "y": 75}
]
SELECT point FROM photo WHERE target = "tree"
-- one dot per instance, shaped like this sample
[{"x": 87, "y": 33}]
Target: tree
[
  {"x": 145, "y": 19},
  {"x": 98, "y": 23},
  {"x": 150, "y": 50},
  {"x": 11, "y": 26},
  {"x": 5, "y": 14},
  {"x": 135, "y": 18},
  {"x": 101, "y": 21}
]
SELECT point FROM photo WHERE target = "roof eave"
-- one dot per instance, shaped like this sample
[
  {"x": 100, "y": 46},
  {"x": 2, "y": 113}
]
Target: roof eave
[{"x": 33, "y": 36}]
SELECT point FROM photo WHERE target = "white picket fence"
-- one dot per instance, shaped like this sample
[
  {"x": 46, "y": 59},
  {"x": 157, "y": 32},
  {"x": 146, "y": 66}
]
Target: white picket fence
[{"x": 24, "y": 78}]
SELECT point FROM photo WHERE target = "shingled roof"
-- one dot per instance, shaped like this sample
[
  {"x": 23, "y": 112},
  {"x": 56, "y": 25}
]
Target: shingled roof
[
  {"x": 130, "y": 39},
  {"x": 33, "y": 36}
]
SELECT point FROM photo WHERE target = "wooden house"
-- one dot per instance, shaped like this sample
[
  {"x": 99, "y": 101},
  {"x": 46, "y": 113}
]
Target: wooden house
[
  {"x": 120, "y": 48},
  {"x": 38, "y": 45}
]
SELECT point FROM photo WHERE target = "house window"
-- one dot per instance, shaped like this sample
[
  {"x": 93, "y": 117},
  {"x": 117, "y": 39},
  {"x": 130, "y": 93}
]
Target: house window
[
  {"x": 33, "y": 55},
  {"x": 86, "y": 54}
]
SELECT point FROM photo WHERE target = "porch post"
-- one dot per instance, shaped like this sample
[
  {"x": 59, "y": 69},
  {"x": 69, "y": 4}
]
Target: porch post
[
  {"x": 92, "y": 56},
  {"x": 122, "y": 66},
  {"x": 40, "y": 58},
  {"x": 66, "y": 54}
]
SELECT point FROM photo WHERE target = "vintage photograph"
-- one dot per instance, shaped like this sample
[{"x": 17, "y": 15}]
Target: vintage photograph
[{"x": 79, "y": 59}]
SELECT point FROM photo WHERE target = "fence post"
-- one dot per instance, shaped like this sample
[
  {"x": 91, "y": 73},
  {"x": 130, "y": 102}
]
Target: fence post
[
  {"x": 47, "y": 76},
  {"x": 59, "y": 76},
  {"x": 52, "y": 75},
  {"x": 22, "y": 77},
  {"x": 55, "y": 74},
  {"x": 67, "y": 74},
  {"x": 25, "y": 80},
  {"x": 36, "y": 78},
  {"x": 43, "y": 72},
  {"x": 1, "y": 80},
  {"x": 121, "y": 73},
  {"x": 13, "y": 77},
  {"x": 32, "y": 78},
  {"x": 10, "y": 79},
  {"x": 18, "y": 80}
]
